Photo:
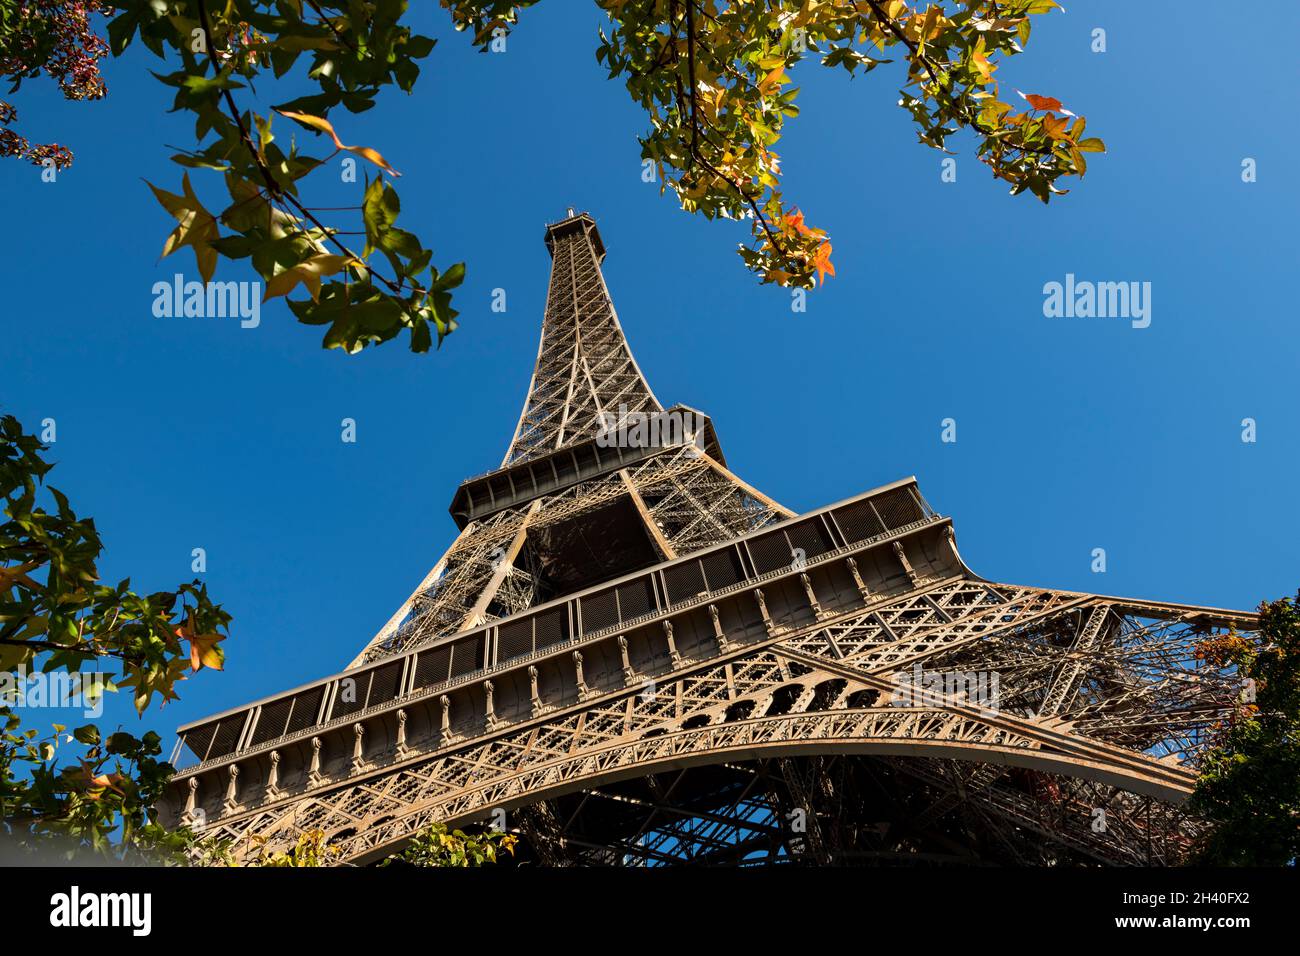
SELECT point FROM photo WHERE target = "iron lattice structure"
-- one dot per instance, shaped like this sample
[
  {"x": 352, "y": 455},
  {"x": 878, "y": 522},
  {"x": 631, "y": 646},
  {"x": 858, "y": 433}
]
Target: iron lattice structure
[{"x": 641, "y": 659}]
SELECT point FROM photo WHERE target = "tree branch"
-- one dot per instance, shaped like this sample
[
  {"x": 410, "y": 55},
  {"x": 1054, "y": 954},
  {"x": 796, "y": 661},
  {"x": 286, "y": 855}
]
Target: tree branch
[
  {"x": 915, "y": 49},
  {"x": 329, "y": 23},
  {"x": 275, "y": 192},
  {"x": 694, "y": 144}
]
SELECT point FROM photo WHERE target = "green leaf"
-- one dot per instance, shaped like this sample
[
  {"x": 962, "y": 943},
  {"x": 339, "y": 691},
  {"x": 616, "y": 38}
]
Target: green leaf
[
  {"x": 122, "y": 28},
  {"x": 88, "y": 734},
  {"x": 450, "y": 279}
]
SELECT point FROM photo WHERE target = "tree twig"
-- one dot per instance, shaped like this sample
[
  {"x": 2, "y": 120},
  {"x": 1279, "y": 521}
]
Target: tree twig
[
  {"x": 275, "y": 192},
  {"x": 329, "y": 23},
  {"x": 918, "y": 56},
  {"x": 694, "y": 144}
]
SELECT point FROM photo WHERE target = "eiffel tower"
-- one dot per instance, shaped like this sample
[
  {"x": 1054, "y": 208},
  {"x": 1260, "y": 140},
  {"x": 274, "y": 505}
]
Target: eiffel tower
[{"x": 629, "y": 656}]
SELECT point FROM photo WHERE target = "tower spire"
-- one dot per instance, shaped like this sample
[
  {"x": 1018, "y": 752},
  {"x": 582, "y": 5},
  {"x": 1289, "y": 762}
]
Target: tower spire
[{"x": 584, "y": 366}]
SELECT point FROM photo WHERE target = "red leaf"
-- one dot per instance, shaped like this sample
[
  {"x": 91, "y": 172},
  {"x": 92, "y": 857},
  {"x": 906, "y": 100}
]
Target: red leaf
[{"x": 1045, "y": 103}]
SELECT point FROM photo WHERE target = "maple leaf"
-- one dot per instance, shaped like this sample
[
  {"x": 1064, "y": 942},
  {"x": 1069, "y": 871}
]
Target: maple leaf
[
  {"x": 203, "y": 647},
  {"x": 204, "y": 651},
  {"x": 154, "y": 679},
  {"x": 309, "y": 273},
  {"x": 772, "y": 81},
  {"x": 1044, "y": 103},
  {"x": 822, "y": 262},
  {"x": 1055, "y": 127},
  {"x": 983, "y": 65},
  {"x": 795, "y": 221},
  {"x": 197, "y": 227},
  {"x": 17, "y": 574}
]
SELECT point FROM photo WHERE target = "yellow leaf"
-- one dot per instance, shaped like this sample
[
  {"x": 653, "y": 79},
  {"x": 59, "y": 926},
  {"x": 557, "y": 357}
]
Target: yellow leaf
[
  {"x": 173, "y": 203},
  {"x": 205, "y": 653},
  {"x": 1079, "y": 162},
  {"x": 317, "y": 122},
  {"x": 206, "y": 257},
  {"x": 373, "y": 156},
  {"x": 772, "y": 81},
  {"x": 1055, "y": 127},
  {"x": 928, "y": 29},
  {"x": 309, "y": 273},
  {"x": 197, "y": 227},
  {"x": 18, "y": 575}
]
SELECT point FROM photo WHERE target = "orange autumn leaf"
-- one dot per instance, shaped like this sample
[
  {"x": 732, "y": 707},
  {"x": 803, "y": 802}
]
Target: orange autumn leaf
[
  {"x": 203, "y": 647},
  {"x": 1044, "y": 103},
  {"x": 795, "y": 221},
  {"x": 1055, "y": 127},
  {"x": 205, "y": 653},
  {"x": 822, "y": 262},
  {"x": 772, "y": 81}
]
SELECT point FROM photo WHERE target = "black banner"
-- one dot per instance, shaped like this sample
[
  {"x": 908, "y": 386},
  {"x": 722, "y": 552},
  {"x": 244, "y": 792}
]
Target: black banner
[{"x": 347, "y": 903}]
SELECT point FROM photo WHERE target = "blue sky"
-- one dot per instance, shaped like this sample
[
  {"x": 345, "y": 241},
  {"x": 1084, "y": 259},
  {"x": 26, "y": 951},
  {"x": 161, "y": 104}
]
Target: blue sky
[{"x": 1073, "y": 434}]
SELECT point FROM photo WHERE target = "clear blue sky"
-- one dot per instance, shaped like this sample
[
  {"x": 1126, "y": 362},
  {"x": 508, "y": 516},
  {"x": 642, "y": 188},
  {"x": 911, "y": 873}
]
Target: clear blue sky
[{"x": 1073, "y": 434}]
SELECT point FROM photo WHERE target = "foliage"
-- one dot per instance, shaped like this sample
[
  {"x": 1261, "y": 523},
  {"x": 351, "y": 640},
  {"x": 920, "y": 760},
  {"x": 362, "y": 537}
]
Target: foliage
[
  {"x": 54, "y": 36},
  {"x": 1249, "y": 786},
  {"x": 437, "y": 846},
  {"x": 364, "y": 296},
  {"x": 312, "y": 850},
  {"x": 56, "y": 616},
  {"x": 712, "y": 76}
]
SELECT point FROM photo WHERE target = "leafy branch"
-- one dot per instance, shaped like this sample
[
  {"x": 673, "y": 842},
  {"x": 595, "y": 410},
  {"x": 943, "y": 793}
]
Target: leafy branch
[
  {"x": 713, "y": 80},
  {"x": 54, "y": 37},
  {"x": 357, "y": 50},
  {"x": 1248, "y": 788},
  {"x": 56, "y": 615},
  {"x": 713, "y": 77}
]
